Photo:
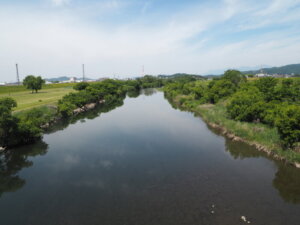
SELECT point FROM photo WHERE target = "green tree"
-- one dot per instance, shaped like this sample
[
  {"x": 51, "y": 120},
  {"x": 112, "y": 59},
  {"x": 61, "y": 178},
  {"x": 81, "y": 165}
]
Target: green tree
[
  {"x": 288, "y": 125},
  {"x": 246, "y": 105},
  {"x": 8, "y": 123},
  {"x": 220, "y": 89},
  {"x": 235, "y": 77},
  {"x": 267, "y": 85},
  {"x": 33, "y": 83},
  {"x": 81, "y": 86}
]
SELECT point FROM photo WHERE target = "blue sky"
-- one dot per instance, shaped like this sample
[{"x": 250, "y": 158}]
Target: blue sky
[{"x": 116, "y": 37}]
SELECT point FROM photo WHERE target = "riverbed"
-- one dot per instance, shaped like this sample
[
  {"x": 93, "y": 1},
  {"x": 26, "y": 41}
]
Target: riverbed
[{"x": 144, "y": 163}]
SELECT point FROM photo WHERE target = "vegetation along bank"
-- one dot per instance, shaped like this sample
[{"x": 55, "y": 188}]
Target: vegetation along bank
[
  {"x": 27, "y": 126},
  {"x": 263, "y": 112}
]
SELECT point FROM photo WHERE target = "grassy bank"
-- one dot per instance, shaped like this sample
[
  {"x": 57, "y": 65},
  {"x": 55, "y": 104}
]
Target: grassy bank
[
  {"x": 49, "y": 95},
  {"x": 20, "y": 88},
  {"x": 253, "y": 133}
]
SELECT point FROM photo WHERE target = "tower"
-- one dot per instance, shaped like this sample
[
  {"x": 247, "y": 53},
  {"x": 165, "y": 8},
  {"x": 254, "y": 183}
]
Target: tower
[
  {"x": 83, "y": 75},
  {"x": 18, "y": 78}
]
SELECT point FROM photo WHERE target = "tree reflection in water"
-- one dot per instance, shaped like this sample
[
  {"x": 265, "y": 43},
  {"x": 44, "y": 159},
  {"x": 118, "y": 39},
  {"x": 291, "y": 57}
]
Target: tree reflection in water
[
  {"x": 14, "y": 160},
  {"x": 287, "y": 182},
  {"x": 287, "y": 177}
]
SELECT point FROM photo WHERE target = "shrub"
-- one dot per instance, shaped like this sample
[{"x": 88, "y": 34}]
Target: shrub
[
  {"x": 288, "y": 125},
  {"x": 246, "y": 105},
  {"x": 81, "y": 86}
]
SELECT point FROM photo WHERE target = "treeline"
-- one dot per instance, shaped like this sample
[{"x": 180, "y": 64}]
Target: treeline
[
  {"x": 27, "y": 126},
  {"x": 271, "y": 101}
]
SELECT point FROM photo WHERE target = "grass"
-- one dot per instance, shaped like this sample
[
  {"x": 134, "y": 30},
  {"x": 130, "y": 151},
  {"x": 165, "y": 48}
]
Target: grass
[
  {"x": 21, "y": 88},
  {"x": 251, "y": 132},
  {"x": 49, "y": 95}
]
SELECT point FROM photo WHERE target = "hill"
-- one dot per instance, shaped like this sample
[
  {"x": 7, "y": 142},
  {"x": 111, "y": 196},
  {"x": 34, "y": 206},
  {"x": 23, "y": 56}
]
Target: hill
[
  {"x": 288, "y": 69},
  {"x": 179, "y": 75}
]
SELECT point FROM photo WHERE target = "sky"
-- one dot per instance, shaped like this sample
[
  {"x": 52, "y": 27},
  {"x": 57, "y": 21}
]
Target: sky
[{"x": 54, "y": 38}]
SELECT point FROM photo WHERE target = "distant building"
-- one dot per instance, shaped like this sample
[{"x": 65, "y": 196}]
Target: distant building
[
  {"x": 261, "y": 75},
  {"x": 102, "y": 79},
  {"x": 72, "y": 80},
  {"x": 281, "y": 76}
]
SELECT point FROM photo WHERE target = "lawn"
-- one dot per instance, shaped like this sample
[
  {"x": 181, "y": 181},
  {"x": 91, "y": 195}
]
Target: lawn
[{"x": 46, "y": 96}]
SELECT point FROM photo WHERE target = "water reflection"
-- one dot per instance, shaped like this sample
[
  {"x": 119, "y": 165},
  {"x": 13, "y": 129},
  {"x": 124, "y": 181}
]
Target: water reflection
[
  {"x": 148, "y": 91},
  {"x": 287, "y": 182},
  {"x": 287, "y": 178},
  {"x": 133, "y": 94},
  {"x": 12, "y": 161},
  {"x": 241, "y": 150},
  {"x": 146, "y": 163},
  {"x": 90, "y": 115}
]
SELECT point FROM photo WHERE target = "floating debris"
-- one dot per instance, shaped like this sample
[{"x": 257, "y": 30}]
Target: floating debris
[{"x": 243, "y": 218}]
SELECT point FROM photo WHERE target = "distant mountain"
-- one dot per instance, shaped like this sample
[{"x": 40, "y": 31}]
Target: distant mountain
[
  {"x": 60, "y": 79},
  {"x": 178, "y": 75},
  {"x": 288, "y": 69},
  {"x": 63, "y": 78},
  {"x": 212, "y": 76}
]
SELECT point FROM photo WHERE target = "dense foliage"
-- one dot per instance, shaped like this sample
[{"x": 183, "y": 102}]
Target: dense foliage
[
  {"x": 26, "y": 126},
  {"x": 271, "y": 101},
  {"x": 81, "y": 86},
  {"x": 13, "y": 130},
  {"x": 33, "y": 83}
]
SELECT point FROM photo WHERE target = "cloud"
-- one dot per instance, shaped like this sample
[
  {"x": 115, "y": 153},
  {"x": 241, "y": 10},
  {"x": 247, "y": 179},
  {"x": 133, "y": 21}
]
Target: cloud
[
  {"x": 60, "y": 2},
  {"x": 117, "y": 37}
]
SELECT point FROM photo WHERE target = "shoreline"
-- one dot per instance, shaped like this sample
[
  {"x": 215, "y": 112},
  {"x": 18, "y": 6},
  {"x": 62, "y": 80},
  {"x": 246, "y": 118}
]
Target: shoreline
[
  {"x": 225, "y": 131},
  {"x": 57, "y": 118}
]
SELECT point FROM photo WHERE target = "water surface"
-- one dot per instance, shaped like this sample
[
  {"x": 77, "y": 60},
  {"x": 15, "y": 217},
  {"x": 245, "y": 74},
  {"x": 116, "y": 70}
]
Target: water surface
[{"x": 144, "y": 163}]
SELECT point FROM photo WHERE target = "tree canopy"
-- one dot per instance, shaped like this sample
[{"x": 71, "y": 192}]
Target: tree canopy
[{"x": 33, "y": 83}]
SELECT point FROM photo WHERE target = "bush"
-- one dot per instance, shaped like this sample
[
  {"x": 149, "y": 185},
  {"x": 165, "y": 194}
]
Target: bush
[
  {"x": 267, "y": 85},
  {"x": 66, "y": 108},
  {"x": 220, "y": 89},
  {"x": 81, "y": 86},
  {"x": 246, "y": 105},
  {"x": 288, "y": 125},
  {"x": 14, "y": 131},
  {"x": 37, "y": 116}
]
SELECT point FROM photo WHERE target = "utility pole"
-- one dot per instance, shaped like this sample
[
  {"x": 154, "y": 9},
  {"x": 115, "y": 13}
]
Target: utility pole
[
  {"x": 18, "y": 78},
  {"x": 143, "y": 70},
  {"x": 83, "y": 73}
]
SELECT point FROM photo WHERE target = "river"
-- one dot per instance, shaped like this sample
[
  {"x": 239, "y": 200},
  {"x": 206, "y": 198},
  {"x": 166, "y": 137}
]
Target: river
[{"x": 144, "y": 163}]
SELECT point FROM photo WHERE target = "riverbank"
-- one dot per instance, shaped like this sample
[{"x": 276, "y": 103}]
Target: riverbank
[{"x": 262, "y": 137}]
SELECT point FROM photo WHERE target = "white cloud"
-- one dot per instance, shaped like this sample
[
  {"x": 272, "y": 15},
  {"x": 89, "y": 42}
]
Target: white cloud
[
  {"x": 60, "y": 2},
  {"x": 57, "y": 41}
]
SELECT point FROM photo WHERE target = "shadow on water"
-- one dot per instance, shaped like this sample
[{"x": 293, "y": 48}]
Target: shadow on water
[
  {"x": 92, "y": 114},
  {"x": 287, "y": 182},
  {"x": 12, "y": 162},
  {"x": 287, "y": 177}
]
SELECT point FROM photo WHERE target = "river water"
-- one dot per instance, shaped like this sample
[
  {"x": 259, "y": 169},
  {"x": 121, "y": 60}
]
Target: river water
[{"x": 144, "y": 163}]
